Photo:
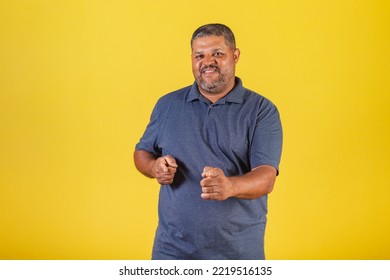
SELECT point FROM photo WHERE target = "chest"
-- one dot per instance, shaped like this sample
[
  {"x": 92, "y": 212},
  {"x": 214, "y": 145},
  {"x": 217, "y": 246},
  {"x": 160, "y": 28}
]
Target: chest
[{"x": 213, "y": 134}]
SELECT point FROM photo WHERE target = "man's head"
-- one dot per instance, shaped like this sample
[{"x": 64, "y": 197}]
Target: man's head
[
  {"x": 215, "y": 29},
  {"x": 214, "y": 56}
]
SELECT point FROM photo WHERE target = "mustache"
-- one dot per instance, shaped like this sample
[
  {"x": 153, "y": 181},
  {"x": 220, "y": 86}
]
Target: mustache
[{"x": 207, "y": 67}]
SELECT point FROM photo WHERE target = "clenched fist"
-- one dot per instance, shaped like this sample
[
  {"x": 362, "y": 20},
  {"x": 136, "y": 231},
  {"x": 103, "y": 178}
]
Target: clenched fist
[
  {"x": 164, "y": 169},
  {"x": 215, "y": 185}
]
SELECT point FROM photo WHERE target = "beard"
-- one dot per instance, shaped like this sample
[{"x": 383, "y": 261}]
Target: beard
[{"x": 216, "y": 86}]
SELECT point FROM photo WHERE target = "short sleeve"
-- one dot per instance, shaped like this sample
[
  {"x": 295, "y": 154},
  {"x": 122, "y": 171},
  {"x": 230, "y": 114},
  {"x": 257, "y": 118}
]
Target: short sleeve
[
  {"x": 266, "y": 145},
  {"x": 149, "y": 140}
]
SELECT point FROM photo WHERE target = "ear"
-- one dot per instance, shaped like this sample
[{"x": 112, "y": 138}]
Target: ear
[{"x": 236, "y": 55}]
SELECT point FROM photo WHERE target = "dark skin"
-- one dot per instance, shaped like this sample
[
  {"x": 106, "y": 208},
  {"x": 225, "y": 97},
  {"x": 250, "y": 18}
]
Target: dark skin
[
  {"x": 212, "y": 59},
  {"x": 163, "y": 168},
  {"x": 213, "y": 66}
]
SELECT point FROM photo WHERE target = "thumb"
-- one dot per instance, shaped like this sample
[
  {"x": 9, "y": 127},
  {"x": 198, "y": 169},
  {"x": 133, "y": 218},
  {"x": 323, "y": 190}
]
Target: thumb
[
  {"x": 208, "y": 172},
  {"x": 170, "y": 161}
]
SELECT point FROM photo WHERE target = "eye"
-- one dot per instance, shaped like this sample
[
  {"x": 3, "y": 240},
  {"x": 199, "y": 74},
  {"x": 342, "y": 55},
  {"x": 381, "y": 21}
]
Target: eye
[
  {"x": 199, "y": 56},
  {"x": 218, "y": 54}
]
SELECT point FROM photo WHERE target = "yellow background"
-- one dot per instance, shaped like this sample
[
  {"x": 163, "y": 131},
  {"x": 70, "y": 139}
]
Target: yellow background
[{"x": 78, "y": 81}]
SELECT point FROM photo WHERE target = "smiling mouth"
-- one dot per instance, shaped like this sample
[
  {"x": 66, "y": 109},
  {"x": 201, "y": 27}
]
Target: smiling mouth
[{"x": 209, "y": 70}]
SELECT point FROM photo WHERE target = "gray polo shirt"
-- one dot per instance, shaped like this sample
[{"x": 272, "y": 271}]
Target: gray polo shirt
[{"x": 237, "y": 133}]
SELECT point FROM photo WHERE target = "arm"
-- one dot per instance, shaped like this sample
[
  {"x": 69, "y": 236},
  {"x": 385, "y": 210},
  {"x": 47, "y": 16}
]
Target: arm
[
  {"x": 162, "y": 168},
  {"x": 215, "y": 185}
]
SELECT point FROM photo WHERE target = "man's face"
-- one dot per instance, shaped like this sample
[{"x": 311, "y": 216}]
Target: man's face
[{"x": 213, "y": 64}]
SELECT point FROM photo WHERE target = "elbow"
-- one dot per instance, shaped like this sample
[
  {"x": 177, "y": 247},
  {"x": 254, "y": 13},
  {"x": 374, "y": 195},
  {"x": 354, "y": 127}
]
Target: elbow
[
  {"x": 269, "y": 188},
  {"x": 266, "y": 189},
  {"x": 261, "y": 191}
]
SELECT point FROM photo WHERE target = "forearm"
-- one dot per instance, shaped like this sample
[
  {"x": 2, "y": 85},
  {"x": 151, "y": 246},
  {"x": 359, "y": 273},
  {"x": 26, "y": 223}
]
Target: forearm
[
  {"x": 260, "y": 181},
  {"x": 161, "y": 168},
  {"x": 216, "y": 186},
  {"x": 144, "y": 162}
]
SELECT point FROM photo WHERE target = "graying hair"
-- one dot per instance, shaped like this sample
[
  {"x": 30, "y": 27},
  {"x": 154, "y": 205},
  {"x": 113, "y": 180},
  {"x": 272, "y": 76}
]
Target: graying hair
[{"x": 215, "y": 29}]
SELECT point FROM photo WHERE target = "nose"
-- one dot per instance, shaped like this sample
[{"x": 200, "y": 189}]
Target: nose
[{"x": 209, "y": 60}]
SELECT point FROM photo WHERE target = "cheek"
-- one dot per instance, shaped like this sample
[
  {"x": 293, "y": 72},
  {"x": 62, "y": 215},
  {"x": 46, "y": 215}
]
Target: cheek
[
  {"x": 228, "y": 66},
  {"x": 195, "y": 67}
]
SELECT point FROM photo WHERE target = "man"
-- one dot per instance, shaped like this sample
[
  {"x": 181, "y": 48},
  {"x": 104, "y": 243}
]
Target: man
[{"x": 215, "y": 149}]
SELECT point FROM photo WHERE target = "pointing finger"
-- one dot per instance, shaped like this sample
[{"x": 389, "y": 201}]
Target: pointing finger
[{"x": 170, "y": 161}]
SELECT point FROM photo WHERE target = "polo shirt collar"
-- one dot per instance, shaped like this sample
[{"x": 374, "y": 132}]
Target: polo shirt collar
[{"x": 234, "y": 96}]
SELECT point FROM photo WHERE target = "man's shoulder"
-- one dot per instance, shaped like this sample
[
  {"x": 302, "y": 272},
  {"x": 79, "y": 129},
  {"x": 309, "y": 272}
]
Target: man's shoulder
[
  {"x": 248, "y": 95},
  {"x": 176, "y": 95},
  {"x": 252, "y": 97}
]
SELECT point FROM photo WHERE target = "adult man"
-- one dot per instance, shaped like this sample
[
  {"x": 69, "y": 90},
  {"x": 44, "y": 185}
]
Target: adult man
[{"x": 215, "y": 149}]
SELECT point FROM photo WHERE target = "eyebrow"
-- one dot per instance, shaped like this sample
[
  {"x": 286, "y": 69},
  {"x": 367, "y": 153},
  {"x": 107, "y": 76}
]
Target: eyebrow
[{"x": 214, "y": 50}]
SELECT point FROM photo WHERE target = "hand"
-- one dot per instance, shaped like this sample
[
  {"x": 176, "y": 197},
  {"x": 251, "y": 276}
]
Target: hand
[
  {"x": 164, "y": 169},
  {"x": 215, "y": 185}
]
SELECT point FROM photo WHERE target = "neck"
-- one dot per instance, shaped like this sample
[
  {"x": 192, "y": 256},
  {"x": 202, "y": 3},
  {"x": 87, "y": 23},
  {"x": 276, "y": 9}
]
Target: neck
[{"x": 215, "y": 96}]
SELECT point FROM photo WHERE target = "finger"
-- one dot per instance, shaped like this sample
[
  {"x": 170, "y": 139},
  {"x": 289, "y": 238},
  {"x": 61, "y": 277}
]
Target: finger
[
  {"x": 210, "y": 196},
  {"x": 171, "y": 171},
  {"x": 161, "y": 165},
  {"x": 171, "y": 168},
  {"x": 213, "y": 196},
  {"x": 208, "y": 182},
  {"x": 206, "y": 169},
  {"x": 167, "y": 170},
  {"x": 212, "y": 172},
  {"x": 165, "y": 179},
  {"x": 165, "y": 182},
  {"x": 207, "y": 190},
  {"x": 170, "y": 161}
]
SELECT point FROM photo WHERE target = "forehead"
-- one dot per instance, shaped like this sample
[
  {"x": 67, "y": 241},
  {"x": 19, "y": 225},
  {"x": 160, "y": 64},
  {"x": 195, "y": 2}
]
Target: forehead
[{"x": 209, "y": 43}]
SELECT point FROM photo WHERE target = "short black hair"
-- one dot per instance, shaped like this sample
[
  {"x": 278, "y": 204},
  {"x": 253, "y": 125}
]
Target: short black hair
[{"x": 215, "y": 29}]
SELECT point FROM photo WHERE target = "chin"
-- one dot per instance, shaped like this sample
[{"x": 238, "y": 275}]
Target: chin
[{"x": 211, "y": 88}]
